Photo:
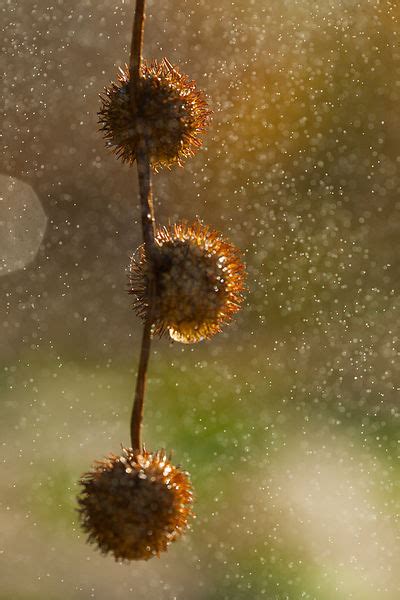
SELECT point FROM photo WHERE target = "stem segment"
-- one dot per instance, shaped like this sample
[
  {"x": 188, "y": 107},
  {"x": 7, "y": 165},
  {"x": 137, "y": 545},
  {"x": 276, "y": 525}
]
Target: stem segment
[
  {"x": 137, "y": 41},
  {"x": 137, "y": 410},
  {"x": 147, "y": 217}
]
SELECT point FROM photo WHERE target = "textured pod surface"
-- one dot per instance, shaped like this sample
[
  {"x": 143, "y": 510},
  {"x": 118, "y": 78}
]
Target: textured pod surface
[
  {"x": 171, "y": 114},
  {"x": 198, "y": 276},
  {"x": 134, "y": 505}
]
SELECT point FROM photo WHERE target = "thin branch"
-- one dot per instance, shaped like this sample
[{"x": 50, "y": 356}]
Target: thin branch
[
  {"x": 137, "y": 410},
  {"x": 142, "y": 154},
  {"x": 146, "y": 199},
  {"x": 137, "y": 41},
  {"x": 147, "y": 217}
]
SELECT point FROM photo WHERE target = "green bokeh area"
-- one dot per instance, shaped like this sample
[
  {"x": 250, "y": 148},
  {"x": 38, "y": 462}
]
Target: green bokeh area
[
  {"x": 288, "y": 505},
  {"x": 288, "y": 421}
]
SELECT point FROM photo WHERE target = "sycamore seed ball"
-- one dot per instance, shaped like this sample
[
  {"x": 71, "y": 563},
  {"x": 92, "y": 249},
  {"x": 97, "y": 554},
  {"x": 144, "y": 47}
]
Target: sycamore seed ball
[
  {"x": 172, "y": 113},
  {"x": 134, "y": 505},
  {"x": 198, "y": 278}
]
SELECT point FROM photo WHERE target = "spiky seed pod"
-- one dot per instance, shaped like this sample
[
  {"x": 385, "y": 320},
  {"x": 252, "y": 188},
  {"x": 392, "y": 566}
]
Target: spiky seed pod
[
  {"x": 134, "y": 505},
  {"x": 198, "y": 279},
  {"x": 172, "y": 113}
]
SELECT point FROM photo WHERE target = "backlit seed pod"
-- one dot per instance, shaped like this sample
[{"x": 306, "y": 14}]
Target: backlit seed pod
[
  {"x": 198, "y": 280},
  {"x": 171, "y": 114},
  {"x": 134, "y": 505}
]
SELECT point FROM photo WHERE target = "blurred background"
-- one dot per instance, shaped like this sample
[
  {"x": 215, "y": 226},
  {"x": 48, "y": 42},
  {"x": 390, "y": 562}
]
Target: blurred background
[{"x": 288, "y": 421}]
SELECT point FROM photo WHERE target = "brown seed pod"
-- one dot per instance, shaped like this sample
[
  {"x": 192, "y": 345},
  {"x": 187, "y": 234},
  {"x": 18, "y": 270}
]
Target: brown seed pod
[
  {"x": 172, "y": 113},
  {"x": 198, "y": 280},
  {"x": 134, "y": 505}
]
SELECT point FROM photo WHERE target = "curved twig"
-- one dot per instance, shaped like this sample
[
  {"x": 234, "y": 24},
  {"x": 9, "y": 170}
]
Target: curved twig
[{"x": 147, "y": 218}]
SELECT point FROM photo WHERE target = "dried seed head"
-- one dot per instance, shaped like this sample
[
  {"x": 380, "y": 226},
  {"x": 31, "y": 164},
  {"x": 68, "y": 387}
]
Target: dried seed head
[
  {"x": 134, "y": 505},
  {"x": 171, "y": 115},
  {"x": 198, "y": 280}
]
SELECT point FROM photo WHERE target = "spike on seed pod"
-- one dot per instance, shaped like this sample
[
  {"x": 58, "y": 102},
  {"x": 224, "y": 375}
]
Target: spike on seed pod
[
  {"x": 198, "y": 278},
  {"x": 172, "y": 113},
  {"x": 134, "y": 505}
]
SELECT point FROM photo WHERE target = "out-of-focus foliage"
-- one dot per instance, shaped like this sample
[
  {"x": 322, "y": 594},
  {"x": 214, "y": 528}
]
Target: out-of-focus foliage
[{"x": 288, "y": 421}]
